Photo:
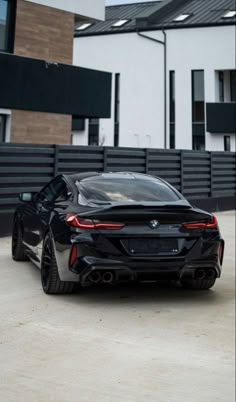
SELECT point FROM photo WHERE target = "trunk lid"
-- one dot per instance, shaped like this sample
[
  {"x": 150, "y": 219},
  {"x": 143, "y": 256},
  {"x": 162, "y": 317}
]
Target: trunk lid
[
  {"x": 150, "y": 229},
  {"x": 165, "y": 213}
]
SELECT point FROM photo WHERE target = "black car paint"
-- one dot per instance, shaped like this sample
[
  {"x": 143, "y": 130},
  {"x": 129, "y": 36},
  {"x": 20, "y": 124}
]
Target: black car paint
[{"x": 107, "y": 250}]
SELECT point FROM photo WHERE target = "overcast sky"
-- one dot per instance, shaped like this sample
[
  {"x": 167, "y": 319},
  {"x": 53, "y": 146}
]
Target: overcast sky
[{"x": 112, "y": 2}]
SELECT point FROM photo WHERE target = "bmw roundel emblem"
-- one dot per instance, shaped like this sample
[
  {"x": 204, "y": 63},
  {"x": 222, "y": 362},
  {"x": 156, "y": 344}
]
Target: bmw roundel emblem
[{"x": 154, "y": 224}]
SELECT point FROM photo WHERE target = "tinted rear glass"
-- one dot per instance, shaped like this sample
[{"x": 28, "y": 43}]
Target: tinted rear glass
[{"x": 126, "y": 190}]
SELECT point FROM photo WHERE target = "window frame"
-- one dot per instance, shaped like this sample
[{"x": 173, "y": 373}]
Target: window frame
[
  {"x": 117, "y": 110},
  {"x": 10, "y": 27},
  {"x": 232, "y": 88},
  {"x": 93, "y": 137},
  {"x": 172, "y": 108},
  {"x": 42, "y": 195},
  {"x": 221, "y": 82},
  {"x": 3, "y": 128},
  {"x": 120, "y": 23},
  {"x": 170, "y": 190},
  {"x": 182, "y": 17},
  {"x": 198, "y": 126},
  {"x": 227, "y": 143}
]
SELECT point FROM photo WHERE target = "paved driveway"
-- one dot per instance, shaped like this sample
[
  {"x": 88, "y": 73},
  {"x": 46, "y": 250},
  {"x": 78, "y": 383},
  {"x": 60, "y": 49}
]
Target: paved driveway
[{"x": 142, "y": 343}]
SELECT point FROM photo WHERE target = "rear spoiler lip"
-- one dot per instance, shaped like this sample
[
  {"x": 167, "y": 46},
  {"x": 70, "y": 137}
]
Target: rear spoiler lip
[
  {"x": 182, "y": 204},
  {"x": 174, "y": 204}
]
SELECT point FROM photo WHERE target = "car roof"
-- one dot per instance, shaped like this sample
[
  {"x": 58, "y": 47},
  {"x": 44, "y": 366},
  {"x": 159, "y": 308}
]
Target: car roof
[{"x": 108, "y": 175}]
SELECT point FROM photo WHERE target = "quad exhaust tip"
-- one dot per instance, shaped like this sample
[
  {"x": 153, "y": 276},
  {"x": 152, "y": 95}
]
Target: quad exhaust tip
[
  {"x": 200, "y": 274},
  {"x": 108, "y": 277},
  {"x": 209, "y": 273},
  {"x": 96, "y": 277}
]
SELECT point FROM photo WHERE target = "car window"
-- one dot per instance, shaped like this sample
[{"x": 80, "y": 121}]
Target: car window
[
  {"x": 126, "y": 190},
  {"x": 56, "y": 190}
]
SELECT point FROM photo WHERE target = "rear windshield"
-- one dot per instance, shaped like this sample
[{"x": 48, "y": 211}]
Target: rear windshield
[{"x": 126, "y": 190}]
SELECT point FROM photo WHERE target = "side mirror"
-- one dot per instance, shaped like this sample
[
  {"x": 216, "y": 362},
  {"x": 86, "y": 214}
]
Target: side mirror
[{"x": 26, "y": 197}]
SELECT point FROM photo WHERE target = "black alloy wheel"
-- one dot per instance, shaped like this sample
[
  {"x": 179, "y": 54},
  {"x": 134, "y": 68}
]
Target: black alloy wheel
[
  {"x": 18, "y": 249},
  {"x": 50, "y": 279}
]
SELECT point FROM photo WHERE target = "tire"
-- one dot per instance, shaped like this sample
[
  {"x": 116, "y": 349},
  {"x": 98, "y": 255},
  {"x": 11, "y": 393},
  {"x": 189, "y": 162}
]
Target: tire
[
  {"x": 18, "y": 248},
  {"x": 50, "y": 279},
  {"x": 198, "y": 284}
]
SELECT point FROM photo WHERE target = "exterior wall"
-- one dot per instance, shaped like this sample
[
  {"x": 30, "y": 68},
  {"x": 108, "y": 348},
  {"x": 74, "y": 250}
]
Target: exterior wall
[
  {"x": 42, "y": 33},
  {"x": 216, "y": 142},
  {"x": 80, "y": 137},
  {"x": 207, "y": 49},
  {"x": 91, "y": 9},
  {"x": 140, "y": 64},
  {"x": 40, "y": 128}
]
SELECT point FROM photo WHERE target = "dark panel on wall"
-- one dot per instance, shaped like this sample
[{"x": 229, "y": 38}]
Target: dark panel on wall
[
  {"x": 221, "y": 118},
  {"x": 78, "y": 124},
  {"x": 37, "y": 85}
]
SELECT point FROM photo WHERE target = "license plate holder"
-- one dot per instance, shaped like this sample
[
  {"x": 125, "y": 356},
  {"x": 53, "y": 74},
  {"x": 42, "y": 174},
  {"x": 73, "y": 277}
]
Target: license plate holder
[{"x": 153, "y": 246}]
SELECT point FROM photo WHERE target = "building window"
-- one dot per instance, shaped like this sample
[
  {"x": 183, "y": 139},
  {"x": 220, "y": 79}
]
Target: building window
[
  {"x": 229, "y": 14},
  {"x": 82, "y": 27},
  {"x": 182, "y": 17},
  {"x": 3, "y": 118},
  {"x": 227, "y": 143},
  {"x": 119, "y": 23},
  {"x": 172, "y": 109},
  {"x": 93, "y": 132},
  {"x": 198, "y": 110},
  {"x": 7, "y": 24},
  {"x": 221, "y": 87},
  {"x": 233, "y": 85},
  {"x": 117, "y": 111}
]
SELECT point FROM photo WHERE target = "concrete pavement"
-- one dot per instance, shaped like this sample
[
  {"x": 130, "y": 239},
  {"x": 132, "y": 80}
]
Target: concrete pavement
[{"x": 126, "y": 344}]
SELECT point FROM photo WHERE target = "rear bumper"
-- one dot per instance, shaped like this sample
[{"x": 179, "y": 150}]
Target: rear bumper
[{"x": 172, "y": 269}]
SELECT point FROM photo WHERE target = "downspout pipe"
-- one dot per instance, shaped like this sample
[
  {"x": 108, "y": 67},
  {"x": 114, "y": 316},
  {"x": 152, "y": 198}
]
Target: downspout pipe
[
  {"x": 165, "y": 88},
  {"x": 163, "y": 43}
]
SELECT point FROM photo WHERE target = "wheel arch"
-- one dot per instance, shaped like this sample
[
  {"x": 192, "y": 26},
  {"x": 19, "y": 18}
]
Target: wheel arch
[{"x": 62, "y": 259}]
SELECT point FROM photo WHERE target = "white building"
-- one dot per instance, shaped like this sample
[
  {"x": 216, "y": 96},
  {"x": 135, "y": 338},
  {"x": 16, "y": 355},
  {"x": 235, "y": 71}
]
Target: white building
[
  {"x": 174, "y": 77},
  {"x": 81, "y": 8}
]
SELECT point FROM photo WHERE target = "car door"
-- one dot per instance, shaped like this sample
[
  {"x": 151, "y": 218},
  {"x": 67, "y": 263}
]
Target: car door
[
  {"x": 58, "y": 193},
  {"x": 37, "y": 219}
]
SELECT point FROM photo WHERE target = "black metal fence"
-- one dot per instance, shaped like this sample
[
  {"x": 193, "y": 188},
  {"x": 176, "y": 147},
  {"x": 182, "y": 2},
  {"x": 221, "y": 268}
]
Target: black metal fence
[{"x": 196, "y": 174}]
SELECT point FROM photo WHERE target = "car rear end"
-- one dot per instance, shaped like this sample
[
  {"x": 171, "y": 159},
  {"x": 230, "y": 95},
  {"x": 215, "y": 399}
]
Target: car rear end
[{"x": 143, "y": 241}]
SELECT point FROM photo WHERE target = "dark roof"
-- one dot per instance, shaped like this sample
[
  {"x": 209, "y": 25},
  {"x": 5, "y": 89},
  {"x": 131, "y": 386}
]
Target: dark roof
[
  {"x": 115, "y": 13},
  {"x": 160, "y": 14}
]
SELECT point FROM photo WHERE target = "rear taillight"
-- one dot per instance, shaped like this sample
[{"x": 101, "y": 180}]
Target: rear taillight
[
  {"x": 77, "y": 222},
  {"x": 73, "y": 255},
  {"x": 202, "y": 225}
]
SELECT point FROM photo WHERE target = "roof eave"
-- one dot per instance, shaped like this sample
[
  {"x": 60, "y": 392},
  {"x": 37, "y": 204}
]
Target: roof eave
[{"x": 155, "y": 28}]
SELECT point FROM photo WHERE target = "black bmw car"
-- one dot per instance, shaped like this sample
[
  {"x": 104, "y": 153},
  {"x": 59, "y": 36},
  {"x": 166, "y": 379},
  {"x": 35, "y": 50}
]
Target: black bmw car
[{"x": 93, "y": 228}]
